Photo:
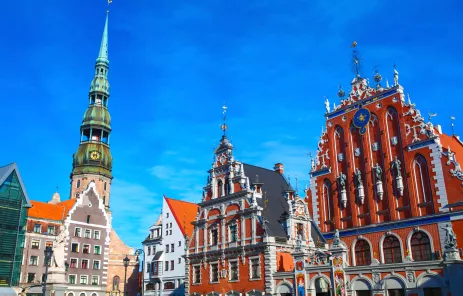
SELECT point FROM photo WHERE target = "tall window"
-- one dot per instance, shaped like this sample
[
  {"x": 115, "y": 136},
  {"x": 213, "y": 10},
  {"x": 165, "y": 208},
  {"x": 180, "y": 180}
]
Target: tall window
[
  {"x": 73, "y": 263},
  {"x": 97, "y": 250},
  {"x": 391, "y": 250},
  {"x": 362, "y": 253},
  {"x": 84, "y": 263},
  {"x": 233, "y": 233},
  {"x": 96, "y": 234},
  {"x": 300, "y": 230},
  {"x": 35, "y": 244},
  {"x": 422, "y": 182},
  {"x": 72, "y": 279},
  {"x": 197, "y": 274},
  {"x": 34, "y": 260},
  {"x": 84, "y": 280},
  {"x": 214, "y": 272},
  {"x": 219, "y": 188},
  {"x": 233, "y": 271},
  {"x": 77, "y": 231},
  {"x": 214, "y": 237},
  {"x": 116, "y": 281},
  {"x": 421, "y": 247},
  {"x": 30, "y": 277},
  {"x": 327, "y": 195},
  {"x": 255, "y": 268}
]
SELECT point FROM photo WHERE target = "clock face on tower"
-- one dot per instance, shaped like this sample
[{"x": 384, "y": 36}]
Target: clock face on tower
[{"x": 95, "y": 155}]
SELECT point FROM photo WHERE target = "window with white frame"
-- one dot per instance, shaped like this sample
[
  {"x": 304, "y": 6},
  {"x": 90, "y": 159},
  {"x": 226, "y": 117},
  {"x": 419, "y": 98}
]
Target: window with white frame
[
  {"x": 233, "y": 272},
  {"x": 96, "y": 264},
  {"x": 75, "y": 247},
  {"x": 51, "y": 230},
  {"x": 37, "y": 228},
  {"x": 83, "y": 279},
  {"x": 95, "y": 280},
  {"x": 34, "y": 260},
  {"x": 196, "y": 274},
  {"x": 233, "y": 232},
  {"x": 74, "y": 262},
  {"x": 214, "y": 272},
  {"x": 84, "y": 264},
  {"x": 88, "y": 233},
  {"x": 77, "y": 231},
  {"x": 167, "y": 248},
  {"x": 35, "y": 244},
  {"x": 72, "y": 279},
  {"x": 214, "y": 236},
  {"x": 97, "y": 250},
  {"x": 254, "y": 268},
  {"x": 96, "y": 234},
  {"x": 172, "y": 246}
]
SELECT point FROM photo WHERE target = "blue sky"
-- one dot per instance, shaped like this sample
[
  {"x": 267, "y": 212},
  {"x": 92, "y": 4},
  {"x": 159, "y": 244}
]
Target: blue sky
[{"x": 174, "y": 63}]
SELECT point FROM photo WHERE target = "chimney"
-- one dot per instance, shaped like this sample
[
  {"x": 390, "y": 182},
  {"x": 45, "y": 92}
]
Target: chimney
[
  {"x": 439, "y": 129},
  {"x": 279, "y": 168}
]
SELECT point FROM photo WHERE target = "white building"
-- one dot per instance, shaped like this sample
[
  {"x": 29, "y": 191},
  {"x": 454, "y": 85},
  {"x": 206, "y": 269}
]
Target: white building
[{"x": 165, "y": 247}]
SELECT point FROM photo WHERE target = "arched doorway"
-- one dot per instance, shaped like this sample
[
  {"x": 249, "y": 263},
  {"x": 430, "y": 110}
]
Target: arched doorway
[
  {"x": 361, "y": 287},
  {"x": 284, "y": 290},
  {"x": 322, "y": 287},
  {"x": 394, "y": 287},
  {"x": 431, "y": 286}
]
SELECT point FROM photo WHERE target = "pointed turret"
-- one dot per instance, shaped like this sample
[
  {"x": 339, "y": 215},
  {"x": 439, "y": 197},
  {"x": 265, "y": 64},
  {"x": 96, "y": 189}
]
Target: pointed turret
[{"x": 93, "y": 160}]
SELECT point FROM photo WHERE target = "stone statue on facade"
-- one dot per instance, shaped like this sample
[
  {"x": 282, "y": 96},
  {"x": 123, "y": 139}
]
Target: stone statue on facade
[
  {"x": 327, "y": 105},
  {"x": 396, "y": 164},
  {"x": 396, "y": 76},
  {"x": 450, "y": 237},
  {"x": 336, "y": 240},
  {"x": 378, "y": 172},
  {"x": 358, "y": 177}
]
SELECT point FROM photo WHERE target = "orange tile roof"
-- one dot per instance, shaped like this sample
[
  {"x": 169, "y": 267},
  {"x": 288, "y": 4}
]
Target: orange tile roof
[
  {"x": 48, "y": 211},
  {"x": 184, "y": 213}
]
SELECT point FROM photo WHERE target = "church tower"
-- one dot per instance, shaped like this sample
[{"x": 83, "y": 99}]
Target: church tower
[{"x": 93, "y": 160}]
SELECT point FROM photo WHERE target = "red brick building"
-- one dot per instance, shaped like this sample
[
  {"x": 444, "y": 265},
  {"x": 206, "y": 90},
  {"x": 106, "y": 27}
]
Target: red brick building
[
  {"x": 388, "y": 181},
  {"x": 245, "y": 229}
]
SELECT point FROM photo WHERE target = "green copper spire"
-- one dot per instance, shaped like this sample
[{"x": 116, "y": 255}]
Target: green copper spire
[
  {"x": 103, "y": 55},
  {"x": 93, "y": 155}
]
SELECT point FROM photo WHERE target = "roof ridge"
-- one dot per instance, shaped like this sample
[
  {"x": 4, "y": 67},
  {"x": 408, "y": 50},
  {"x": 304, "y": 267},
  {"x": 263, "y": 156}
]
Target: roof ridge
[
  {"x": 3, "y": 166},
  {"x": 180, "y": 200},
  {"x": 259, "y": 167}
]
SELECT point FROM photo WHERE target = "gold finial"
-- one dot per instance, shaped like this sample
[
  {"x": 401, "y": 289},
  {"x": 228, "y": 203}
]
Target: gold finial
[
  {"x": 354, "y": 44},
  {"x": 224, "y": 125}
]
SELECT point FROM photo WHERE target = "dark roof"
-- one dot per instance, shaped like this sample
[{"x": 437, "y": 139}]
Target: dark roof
[
  {"x": 157, "y": 256},
  {"x": 5, "y": 172},
  {"x": 274, "y": 185}
]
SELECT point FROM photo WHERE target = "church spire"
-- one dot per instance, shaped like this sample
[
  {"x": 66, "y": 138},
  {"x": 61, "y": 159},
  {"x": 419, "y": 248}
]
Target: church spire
[
  {"x": 93, "y": 160},
  {"x": 103, "y": 55}
]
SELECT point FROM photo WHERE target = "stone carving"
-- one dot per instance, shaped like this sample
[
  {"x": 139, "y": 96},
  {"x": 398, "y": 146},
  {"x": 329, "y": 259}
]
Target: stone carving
[
  {"x": 396, "y": 76},
  {"x": 336, "y": 240},
  {"x": 360, "y": 189},
  {"x": 327, "y": 105},
  {"x": 410, "y": 277},
  {"x": 396, "y": 165},
  {"x": 450, "y": 237},
  {"x": 456, "y": 172},
  {"x": 342, "y": 186},
  {"x": 379, "y": 182}
]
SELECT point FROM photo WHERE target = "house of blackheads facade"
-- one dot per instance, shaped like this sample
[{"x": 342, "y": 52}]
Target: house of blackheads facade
[{"x": 382, "y": 216}]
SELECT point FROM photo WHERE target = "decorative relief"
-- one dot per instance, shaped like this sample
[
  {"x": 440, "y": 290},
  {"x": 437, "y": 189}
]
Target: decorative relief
[{"x": 456, "y": 171}]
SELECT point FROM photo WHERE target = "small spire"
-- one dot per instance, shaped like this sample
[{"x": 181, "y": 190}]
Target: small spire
[
  {"x": 452, "y": 118},
  {"x": 355, "y": 59},
  {"x": 224, "y": 126},
  {"x": 103, "y": 54}
]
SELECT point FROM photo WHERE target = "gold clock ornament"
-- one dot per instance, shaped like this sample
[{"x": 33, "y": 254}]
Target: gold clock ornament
[{"x": 95, "y": 155}]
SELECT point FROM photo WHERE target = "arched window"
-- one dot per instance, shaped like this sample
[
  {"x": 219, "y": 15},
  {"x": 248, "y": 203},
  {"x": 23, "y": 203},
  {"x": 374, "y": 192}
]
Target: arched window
[
  {"x": 391, "y": 250},
  {"x": 82, "y": 294},
  {"x": 422, "y": 182},
  {"x": 219, "y": 188},
  {"x": 169, "y": 286},
  {"x": 70, "y": 294},
  {"x": 421, "y": 247},
  {"x": 116, "y": 281},
  {"x": 327, "y": 202},
  {"x": 362, "y": 253}
]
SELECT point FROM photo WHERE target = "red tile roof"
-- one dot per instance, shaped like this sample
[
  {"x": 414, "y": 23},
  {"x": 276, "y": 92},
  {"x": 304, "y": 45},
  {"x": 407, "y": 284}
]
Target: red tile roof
[
  {"x": 184, "y": 213},
  {"x": 49, "y": 211}
]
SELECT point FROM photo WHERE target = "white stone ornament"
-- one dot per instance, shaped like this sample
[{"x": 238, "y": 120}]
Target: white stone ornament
[{"x": 375, "y": 146}]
